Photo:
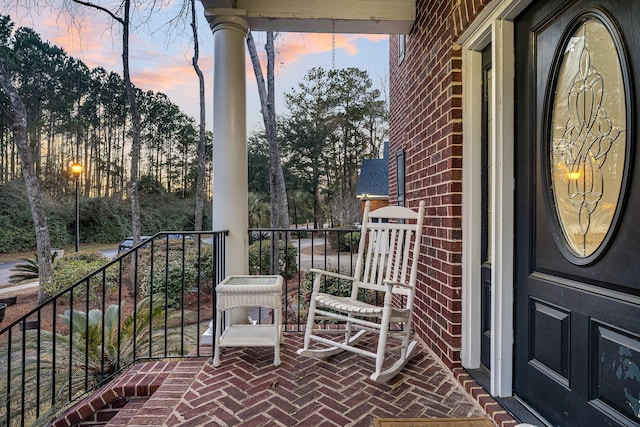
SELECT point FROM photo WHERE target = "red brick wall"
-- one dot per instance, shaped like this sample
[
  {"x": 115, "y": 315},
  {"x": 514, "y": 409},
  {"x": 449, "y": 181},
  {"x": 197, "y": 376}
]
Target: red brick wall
[{"x": 426, "y": 121}]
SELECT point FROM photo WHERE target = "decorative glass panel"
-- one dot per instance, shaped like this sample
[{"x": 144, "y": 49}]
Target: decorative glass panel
[{"x": 588, "y": 144}]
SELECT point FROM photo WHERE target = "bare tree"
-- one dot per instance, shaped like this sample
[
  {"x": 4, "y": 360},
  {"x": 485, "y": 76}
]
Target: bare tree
[
  {"x": 43, "y": 242},
  {"x": 202, "y": 126},
  {"x": 345, "y": 209},
  {"x": 277, "y": 188},
  {"x": 125, "y": 21}
]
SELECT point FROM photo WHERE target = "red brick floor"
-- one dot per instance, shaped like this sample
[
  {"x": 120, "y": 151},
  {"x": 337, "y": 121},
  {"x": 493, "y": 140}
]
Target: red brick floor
[{"x": 247, "y": 390}]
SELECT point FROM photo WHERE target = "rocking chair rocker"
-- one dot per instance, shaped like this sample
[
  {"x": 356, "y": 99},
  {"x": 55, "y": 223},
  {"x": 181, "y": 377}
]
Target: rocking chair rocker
[{"x": 387, "y": 264}]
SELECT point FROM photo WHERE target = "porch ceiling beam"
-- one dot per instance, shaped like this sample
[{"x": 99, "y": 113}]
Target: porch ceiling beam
[{"x": 320, "y": 16}]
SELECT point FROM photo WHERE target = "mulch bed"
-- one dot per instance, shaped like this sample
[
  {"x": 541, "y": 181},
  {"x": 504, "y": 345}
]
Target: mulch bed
[{"x": 26, "y": 301}]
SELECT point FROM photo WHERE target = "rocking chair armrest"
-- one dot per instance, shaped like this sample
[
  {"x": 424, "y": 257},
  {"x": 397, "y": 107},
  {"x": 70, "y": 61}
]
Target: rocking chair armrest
[
  {"x": 331, "y": 273},
  {"x": 390, "y": 284}
]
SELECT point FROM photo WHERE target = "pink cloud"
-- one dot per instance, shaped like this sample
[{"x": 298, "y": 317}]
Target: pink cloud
[
  {"x": 174, "y": 73},
  {"x": 292, "y": 47},
  {"x": 89, "y": 38},
  {"x": 175, "y": 77}
]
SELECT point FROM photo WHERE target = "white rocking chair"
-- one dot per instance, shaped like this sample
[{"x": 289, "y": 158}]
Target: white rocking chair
[{"x": 387, "y": 263}]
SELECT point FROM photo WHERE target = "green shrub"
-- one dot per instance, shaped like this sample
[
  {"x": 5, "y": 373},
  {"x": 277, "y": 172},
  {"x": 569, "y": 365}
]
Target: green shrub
[
  {"x": 88, "y": 256},
  {"x": 205, "y": 263},
  {"x": 343, "y": 239},
  {"x": 260, "y": 258},
  {"x": 350, "y": 241},
  {"x": 170, "y": 282},
  {"x": 110, "y": 225},
  {"x": 16, "y": 238},
  {"x": 16, "y": 222},
  {"x": 72, "y": 268}
]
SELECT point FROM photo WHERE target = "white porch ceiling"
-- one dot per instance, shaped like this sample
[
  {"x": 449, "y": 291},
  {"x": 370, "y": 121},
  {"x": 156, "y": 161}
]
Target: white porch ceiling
[{"x": 320, "y": 16}]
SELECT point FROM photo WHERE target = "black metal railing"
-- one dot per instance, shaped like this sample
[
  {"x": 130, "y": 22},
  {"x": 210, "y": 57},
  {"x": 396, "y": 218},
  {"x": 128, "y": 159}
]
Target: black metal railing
[
  {"x": 301, "y": 249},
  {"x": 152, "y": 302}
]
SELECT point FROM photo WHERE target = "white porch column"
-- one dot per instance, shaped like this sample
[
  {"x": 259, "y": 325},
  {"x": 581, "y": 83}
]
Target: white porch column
[
  {"x": 230, "y": 183},
  {"x": 230, "y": 192}
]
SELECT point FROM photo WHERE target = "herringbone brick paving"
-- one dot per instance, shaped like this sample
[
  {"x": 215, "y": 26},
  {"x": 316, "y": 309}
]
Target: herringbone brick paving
[{"x": 247, "y": 390}]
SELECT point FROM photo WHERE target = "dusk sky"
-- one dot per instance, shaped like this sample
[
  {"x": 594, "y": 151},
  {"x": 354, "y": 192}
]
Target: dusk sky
[{"x": 161, "y": 61}]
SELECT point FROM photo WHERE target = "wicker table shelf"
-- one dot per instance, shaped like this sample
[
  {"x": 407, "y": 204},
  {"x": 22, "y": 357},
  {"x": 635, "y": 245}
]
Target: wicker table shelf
[{"x": 249, "y": 291}]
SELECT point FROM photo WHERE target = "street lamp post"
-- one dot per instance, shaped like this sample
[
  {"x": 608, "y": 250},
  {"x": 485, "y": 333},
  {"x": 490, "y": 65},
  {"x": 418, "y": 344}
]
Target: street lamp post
[{"x": 76, "y": 170}]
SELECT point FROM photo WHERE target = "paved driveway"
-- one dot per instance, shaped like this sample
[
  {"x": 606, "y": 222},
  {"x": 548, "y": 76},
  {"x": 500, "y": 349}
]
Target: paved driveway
[{"x": 5, "y": 271}]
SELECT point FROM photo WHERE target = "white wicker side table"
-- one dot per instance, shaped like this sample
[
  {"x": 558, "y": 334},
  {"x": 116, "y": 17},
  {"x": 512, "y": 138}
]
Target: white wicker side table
[{"x": 249, "y": 291}]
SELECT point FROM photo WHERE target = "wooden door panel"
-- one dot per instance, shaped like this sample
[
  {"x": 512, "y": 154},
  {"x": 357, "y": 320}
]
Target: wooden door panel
[
  {"x": 616, "y": 355},
  {"x": 549, "y": 339}
]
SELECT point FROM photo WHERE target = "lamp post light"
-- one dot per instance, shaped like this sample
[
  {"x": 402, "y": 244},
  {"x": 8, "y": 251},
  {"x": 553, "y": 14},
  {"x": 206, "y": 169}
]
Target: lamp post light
[{"x": 76, "y": 170}]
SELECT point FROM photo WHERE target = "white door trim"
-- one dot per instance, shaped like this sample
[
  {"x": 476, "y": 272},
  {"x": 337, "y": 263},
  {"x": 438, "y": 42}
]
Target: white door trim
[{"x": 495, "y": 26}]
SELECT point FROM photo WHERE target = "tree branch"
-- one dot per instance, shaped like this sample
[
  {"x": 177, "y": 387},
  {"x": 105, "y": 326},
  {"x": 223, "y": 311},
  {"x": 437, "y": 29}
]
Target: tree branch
[{"x": 101, "y": 8}]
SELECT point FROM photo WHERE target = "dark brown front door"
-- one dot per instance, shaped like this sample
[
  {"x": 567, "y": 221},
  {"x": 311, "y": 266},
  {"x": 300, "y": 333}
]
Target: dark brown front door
[{"x": 577, "y": 276}]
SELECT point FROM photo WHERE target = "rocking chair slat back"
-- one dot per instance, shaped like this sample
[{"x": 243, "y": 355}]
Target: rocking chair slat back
[{"x": 385, "y": 252}]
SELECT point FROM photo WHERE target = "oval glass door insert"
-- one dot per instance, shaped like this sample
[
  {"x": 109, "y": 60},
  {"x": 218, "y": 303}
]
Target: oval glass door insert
[{"x": 588, "y": 143}]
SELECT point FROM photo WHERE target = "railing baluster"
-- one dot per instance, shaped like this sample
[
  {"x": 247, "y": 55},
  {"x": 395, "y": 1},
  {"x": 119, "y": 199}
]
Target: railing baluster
[
  {"x": 9, "y": 357},
  {"x": 53, "y": 351},
  {"x": 86, "y": 334},
  {"x": 298, "y": 299},
  {"x": 119, "y": 337},
  {"x": 153, "y": 291},
  {"x": 23, "y": 372},
  {"x": 70, "y": 394},
  {"x": 198, "y": 280},
  {"x": 217, "y": 262},
  {"x": 184, "y": 258},
  {"x": 38, "y": 352},
  {"x": 134, "y": 338},
  {"x": 166, "y": 297},
  {"x": 103, "y": 305}
]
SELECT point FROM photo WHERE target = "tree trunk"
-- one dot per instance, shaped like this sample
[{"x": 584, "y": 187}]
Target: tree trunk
[
  {"x": 277, "y": 188},
  {"x": 135, "y": 128},
  {"x": 275, "y": 164},
  {"x": 202, "y": 127},
  {"x": 43, "y": 242}
]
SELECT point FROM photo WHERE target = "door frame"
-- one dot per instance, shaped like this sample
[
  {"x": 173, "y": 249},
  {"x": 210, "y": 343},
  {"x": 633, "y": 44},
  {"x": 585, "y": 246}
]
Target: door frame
[{"x": 494, "y": 25}]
